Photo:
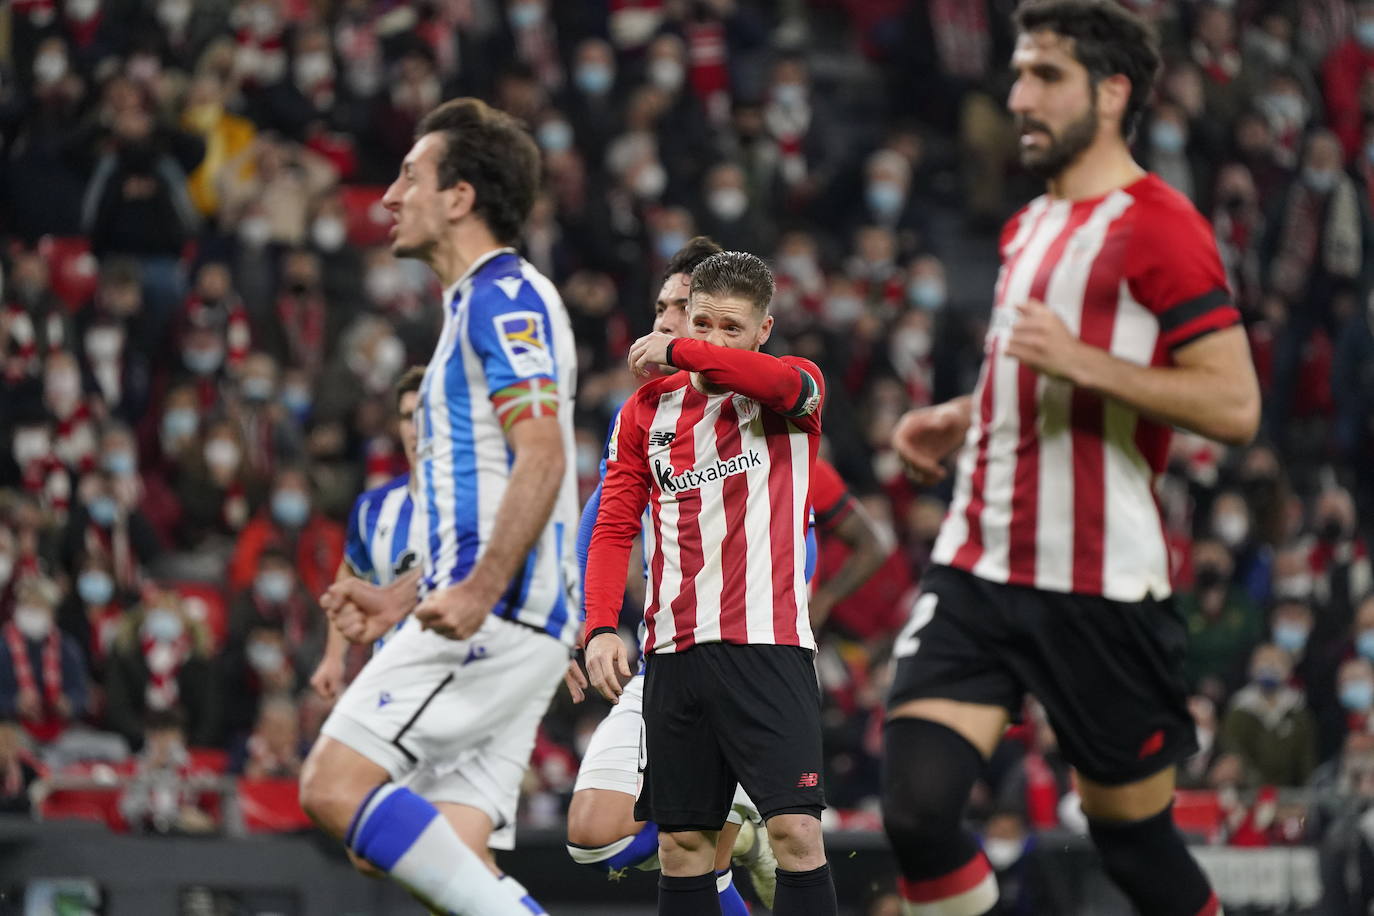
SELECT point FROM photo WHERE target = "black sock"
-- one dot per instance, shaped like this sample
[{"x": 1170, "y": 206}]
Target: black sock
[
  {"x": 693, "y": 896},
  {"x": 806, "y": 893},
  {"x": 1150, "y": 862}
]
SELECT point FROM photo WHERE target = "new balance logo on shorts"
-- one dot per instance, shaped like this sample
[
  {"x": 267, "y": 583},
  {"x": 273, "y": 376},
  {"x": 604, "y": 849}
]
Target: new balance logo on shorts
[
  {"x": 809, "y": 781},
  {"x": 1153, "y": 744}
]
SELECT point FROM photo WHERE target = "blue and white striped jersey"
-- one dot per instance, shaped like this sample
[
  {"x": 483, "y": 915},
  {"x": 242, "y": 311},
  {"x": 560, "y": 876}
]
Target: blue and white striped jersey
[
  {"x": 385, "y": 536},
  {"x": 506, "y": 337},
  {"x": 385, "y": 533}
]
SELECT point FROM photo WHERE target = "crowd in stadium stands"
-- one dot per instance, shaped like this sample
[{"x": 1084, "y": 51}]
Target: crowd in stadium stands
[{"x": 201, "y": 320}]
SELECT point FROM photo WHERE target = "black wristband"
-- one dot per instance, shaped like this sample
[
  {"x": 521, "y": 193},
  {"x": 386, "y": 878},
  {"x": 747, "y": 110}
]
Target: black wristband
[
  {"x": 668, "y": 354},
  {"x": 599, "y": 630}
]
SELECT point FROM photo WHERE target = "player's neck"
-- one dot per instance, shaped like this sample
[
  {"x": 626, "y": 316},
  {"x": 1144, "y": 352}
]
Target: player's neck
[
  {"x": 1101, "y": 169},
  {"x": 463, "y": 249}
]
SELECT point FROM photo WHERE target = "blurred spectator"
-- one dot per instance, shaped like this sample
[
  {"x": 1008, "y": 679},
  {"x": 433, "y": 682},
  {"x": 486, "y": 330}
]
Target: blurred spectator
[
  {"x": 212, "y": 487},
  {"x": 162, "y": 796},
  {"x": 264, "y": 424},
  {"x": 1222, "y": 621},
  {"x": 266, "y": 189},
  {"x": 215, "y": 305},
  {"x": 730, "y": 216},
  {"x": 300, "y": 330},
  {"x": 33, "y": 324},
  {"x": 106, "y": 520},
  {"x": 1194, "y": 773},
  {"x": 43, "y": 681},
  {"x": 226, "y": 135},
  {"x": 314, "y": 542},
  {"x": 1268, "y": 726},
  {"x": 274, "y": 748},
  {"x": 1009, "y": 846},
  {"x": 1344, "y": 75},
  {"x": 276, "y": 600},
  {"x": 92, "y": 612},
  {"x": 137, "y": 203},
  {"x": 255, "y": 670},
  {"x": 19, "y": 769},
  {"x": 160, "y": 662},
  {"x": 1315, "y": 245}
]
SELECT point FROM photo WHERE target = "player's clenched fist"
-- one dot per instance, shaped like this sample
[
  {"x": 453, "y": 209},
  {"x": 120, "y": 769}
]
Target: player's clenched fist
[
  {"x": 1041, "y": 340},
  {"x": 650, "y": 350},
  {"x": 608, "y": 667},
  {"x": 457, "y": 611},
  {"x": 361, "y": 611}
]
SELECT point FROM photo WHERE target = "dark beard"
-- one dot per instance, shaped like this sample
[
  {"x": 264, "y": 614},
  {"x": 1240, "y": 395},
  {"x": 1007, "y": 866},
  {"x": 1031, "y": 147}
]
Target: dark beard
[{"x": 1077, "y": 136}]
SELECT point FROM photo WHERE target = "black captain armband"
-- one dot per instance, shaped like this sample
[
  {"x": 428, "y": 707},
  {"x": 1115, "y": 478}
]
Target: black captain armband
[{"x": 808, "y": 399}]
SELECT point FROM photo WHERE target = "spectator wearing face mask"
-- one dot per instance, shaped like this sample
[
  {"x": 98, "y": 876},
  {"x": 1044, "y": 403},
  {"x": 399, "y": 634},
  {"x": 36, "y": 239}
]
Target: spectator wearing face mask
[
  {"x": 1268, "y": 725},
  {"x": 33, "y": 321},
  {"x": 270, "y": 435},
  {"x": 729, "y": 215},
  {"x": 42, "y": 670},
  {"x": 1010, "y": 848},
  {"x": 1290, "y": 628},
  {"x": 1193, "y": 773},
  {"x": 1338, "y": 559},
  {"x": 1222, "y": 621},
  {"x": 72, "y": 410},
  {"x": 162, "y": 661},
  {"x": 107, "y": 520},
  {"x": 92, "y": 611},
  {"x": 314, "y": 542},
  {"x": 300, "y": 330},
  {"x": 1315, "y": 248},
  {"x": 276, "y": 600},
  {"x": 265, "y": 192},
  {"x": 1355, "y": 694},
  {"x": 256, "y": 670},
  {"x": 590, "y": 101},
  {"x": 213, "y": 488}
]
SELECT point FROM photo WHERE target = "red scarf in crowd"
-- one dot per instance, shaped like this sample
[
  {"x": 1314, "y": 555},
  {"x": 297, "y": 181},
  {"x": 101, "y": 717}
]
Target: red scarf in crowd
[
  {"x": 164, "y": 660},
  {"x": 50, "y": 691}
]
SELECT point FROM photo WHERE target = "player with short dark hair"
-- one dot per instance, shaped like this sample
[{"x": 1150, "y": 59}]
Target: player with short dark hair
[
  {"x": 461, "y": 685},
  {"x": 1111, "y": 324},
  {"x": 721, "y": 455}
]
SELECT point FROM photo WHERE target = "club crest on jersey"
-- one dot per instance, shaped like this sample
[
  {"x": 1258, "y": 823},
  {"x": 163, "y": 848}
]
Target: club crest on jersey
[
  {"x": 746, "y": 408},
  {"x": 525, "y": 342},
  {"x": 691, "y": 478}
]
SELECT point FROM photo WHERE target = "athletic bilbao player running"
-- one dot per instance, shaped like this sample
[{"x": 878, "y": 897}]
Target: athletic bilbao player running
[
  {"x": 1111, "y": 324},
  {"x": 721, "y": 455}
]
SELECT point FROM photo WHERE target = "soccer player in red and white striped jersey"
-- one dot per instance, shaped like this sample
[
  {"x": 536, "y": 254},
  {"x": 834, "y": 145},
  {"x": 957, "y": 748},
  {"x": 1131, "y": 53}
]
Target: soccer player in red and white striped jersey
[
  {"x": 721, "y": 454},
  {"x": 1111, "y": 324}
]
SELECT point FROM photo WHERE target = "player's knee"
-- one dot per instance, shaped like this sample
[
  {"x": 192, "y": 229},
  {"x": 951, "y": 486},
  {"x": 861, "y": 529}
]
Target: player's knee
[
  {"x": 329, "y": 801},
  {"x": 589, "y": 825},
  {"x": 923, "y": 802},
  {"x": 794, "y": 836},
  {"x": 687, "y": 842}
]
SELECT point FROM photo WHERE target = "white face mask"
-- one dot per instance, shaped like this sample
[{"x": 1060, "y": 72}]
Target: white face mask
[
  {"x": 255, "y": 231},
  {"x": 1002, "y": 853},
  {"x": 174, "y": 13},
  {"x": 667, "y": 74},
  {"x": 34, "y": 622},
  {"x": 163, "y": 625},
  {"x": 82, "y": 10},
  {"x": 650, "y": 181},
  {"x": 30, "y": 445},
  {"x": 222, "y": 455},
  {"x": 728, "y": 204},
  {"x": 313, "y": 68},
  {"x": 103, "y": 343},
  {"x": 6, "y": 568},
  {"x": 328, "y": 233},
  {"x": 49, "y": 67}
]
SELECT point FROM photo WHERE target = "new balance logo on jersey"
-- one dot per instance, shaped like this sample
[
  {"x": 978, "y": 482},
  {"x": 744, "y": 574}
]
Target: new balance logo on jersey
[
  {"x": 661, "y": 438},
  {"x": 691, "y": 478},
  {"x": 809, "y": 781}
]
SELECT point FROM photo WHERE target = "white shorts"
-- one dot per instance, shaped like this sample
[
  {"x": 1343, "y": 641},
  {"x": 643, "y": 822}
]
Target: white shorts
[
  {"x": 455, "y": 720},
  {"x": 616, "y": 754}
]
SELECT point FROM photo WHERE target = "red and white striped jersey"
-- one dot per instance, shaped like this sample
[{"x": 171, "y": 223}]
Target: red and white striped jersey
[
  {"x": 726, "y": 479},
  {"x": 1055, "y": 485}
]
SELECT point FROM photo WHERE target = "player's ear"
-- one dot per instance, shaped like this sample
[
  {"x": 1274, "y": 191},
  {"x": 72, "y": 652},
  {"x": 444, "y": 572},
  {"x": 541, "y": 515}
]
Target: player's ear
[
  {"x": 462, "y": 199},
  {"x": 1113, "y": 94},
  {"x": 765, "y": 331}
]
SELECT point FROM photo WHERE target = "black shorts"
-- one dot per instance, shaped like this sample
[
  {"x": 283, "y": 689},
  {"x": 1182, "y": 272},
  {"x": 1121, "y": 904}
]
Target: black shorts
[
  {"x": 720, "y": 714},
  {"x": 1109, "y": 673}
]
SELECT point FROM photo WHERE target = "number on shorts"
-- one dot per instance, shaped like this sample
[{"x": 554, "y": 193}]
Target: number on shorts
[{"x": 922, "y": 613}]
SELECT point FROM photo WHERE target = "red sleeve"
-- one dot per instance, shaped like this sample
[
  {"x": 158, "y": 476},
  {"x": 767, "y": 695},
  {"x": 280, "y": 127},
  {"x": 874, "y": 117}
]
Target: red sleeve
[
  {"x": 1174, "y": 270},
  {"x": 790, "y": 386},
  {"x": 624, "y": 494},
  {"x": 829, "y": 496}
]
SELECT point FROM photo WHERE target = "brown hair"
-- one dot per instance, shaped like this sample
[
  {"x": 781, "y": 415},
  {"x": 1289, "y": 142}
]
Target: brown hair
[{"x": 735, "y": 273}]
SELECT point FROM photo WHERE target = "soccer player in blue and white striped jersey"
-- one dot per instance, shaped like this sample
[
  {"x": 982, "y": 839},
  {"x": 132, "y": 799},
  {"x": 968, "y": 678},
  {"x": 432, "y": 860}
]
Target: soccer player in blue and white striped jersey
[
  {"x": 462, "y": 685},
  {"x": 385, "y": 534}
]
